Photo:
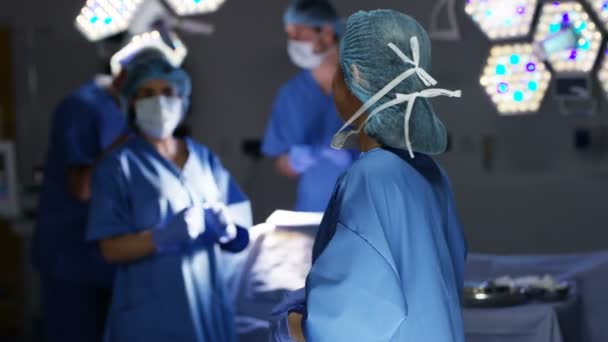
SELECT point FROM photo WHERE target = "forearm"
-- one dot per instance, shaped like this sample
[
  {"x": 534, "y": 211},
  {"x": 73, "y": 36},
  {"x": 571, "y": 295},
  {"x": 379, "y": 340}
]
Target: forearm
[
  {"x": 284, "y": 168},
  {"x": 128, "y": 248},
  {"x": 79, "y": 182},
  {"x": 295, "y": 327},
  {"x": 79, "y": 176}
]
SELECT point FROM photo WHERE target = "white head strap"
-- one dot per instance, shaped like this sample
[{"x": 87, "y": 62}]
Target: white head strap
[{"x": 340, "y": 138}]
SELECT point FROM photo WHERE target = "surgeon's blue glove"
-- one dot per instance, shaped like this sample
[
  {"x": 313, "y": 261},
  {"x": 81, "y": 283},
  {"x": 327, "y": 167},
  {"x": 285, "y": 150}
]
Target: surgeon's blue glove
[
  {"x": 301, "y": 158},
  {"x": 229, "y": 235},
  {"x": 341, "y": 158},
  {"x": 184, "y": 228}
]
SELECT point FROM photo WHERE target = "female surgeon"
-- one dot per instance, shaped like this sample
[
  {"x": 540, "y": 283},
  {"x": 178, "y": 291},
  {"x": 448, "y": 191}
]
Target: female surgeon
[
  {"x": 161, "y": 209},
  {"x": 389, "y": 256}
]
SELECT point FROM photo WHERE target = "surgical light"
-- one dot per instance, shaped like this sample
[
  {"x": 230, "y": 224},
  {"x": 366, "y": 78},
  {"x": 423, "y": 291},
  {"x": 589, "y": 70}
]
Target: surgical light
[
  {"x": 570, "y": 40},
  {"x": 515, "y": 79},
  {"x": 147, "y": 40},
  {"x": 100, "y": 19},
  {"x": 502, "y": 19},
  {"x": 600, "y": 7},
  {"x": 190, "y": 7}
]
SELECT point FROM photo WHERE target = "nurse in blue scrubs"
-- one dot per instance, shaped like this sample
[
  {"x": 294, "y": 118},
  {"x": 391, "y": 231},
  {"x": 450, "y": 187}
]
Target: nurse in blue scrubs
[
  {"x": 162, "y": 210},
  {"x": 304, "y": 116},
  {"x": 389, "y": 258},
  {"x": 76, "y": 283}
]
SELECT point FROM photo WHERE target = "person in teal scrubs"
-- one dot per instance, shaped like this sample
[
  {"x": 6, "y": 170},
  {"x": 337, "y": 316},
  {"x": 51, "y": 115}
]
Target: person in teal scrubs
[
  {"x": 388, "y": 261},
  {"x": 162, "y": 210}
]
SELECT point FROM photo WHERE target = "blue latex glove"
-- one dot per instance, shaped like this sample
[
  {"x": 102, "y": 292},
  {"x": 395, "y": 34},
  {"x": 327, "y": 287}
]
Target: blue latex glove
[
  {"x": 341, "y": 158},
  {"x": 230, "y": 236},
  {"x": 301, "y": 158},
  {"x": 184, "y": 228}
]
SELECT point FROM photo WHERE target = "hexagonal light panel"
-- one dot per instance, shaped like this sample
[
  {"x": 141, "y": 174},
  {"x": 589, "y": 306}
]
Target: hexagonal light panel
[
  {"x": 100, "y": 19},
  {"x": 190, "y": 7},
  {"x": 150, "y": 40},
  {"x": 603, "y": 74},
  {"x": 502, "y": 19},
  {"x": 601, "y": 9},
  {"x": 515, "y": 79},
  {"x": 557, "y": 17}
]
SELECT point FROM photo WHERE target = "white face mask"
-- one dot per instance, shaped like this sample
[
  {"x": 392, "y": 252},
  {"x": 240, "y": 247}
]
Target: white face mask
[
  {"x": 348, "y": 139},
  {"x": 159, "y": 116},
  {"x": 303, "y": 54}
]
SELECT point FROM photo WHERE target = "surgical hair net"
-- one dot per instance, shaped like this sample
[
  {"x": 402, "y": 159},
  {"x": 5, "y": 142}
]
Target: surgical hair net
[
  {"x": 157, "y": 69},
  {"x": 313, "y": 13},
  {"x": 141, "y": 56},
  {"x": 368, "y": 65}
]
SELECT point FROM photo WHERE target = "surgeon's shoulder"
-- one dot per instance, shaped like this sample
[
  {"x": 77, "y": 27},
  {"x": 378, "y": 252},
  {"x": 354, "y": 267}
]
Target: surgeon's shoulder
[
  {"x": 375, "y": 166},
  {"x": 296, "y": 84},
  {"x": 117, "y": 160},
  {"x": 201, "y": 151}
]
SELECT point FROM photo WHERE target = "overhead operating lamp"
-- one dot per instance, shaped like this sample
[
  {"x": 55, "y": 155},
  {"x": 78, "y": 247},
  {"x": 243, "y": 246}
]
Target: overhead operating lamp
[
  {"x": 191, "y": 7},
  {"x": 600, "y": 7},
  {"x": 175, "y": 54},
  {"x": 561, "y": 22},
  {"x": 100, "y": 19},
  {"x": 515, "y": 79},
  {"x": 502, "y": 19}
]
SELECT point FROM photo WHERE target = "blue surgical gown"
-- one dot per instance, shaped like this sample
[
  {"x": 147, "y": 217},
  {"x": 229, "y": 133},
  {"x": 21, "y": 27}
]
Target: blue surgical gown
[
  {"x": 304, "y": 115},
  {"x": 165, "y": 297},
  {"x": 83, "y": 125},
  {"x": 389, "y": 257}
]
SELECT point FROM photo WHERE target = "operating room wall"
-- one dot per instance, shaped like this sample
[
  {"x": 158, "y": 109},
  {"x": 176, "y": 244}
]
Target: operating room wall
[{"x": 520, "y": 185}]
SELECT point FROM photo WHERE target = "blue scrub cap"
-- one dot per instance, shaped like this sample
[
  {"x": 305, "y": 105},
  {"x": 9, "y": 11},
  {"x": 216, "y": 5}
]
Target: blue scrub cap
[
  {"x": 156, "y": 68},
  {"x": 141, "y": 56},
  {"x": 378, "y": 49},
  {"x": 313, "y": 13}
]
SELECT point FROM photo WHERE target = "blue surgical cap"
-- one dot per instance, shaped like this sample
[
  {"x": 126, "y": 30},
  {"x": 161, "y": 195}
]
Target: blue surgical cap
[
  {"x": 156, "y": 68},
  {"x": 313, "y": 13},
  {"x": 141, "y": 56},
  {"x": 368, "y": 65}
]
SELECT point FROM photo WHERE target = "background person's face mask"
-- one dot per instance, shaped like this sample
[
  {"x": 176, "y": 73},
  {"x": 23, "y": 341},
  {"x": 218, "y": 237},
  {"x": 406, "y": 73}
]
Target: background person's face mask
[
  {"x": 158, "y": 117},
  {"x": 303, "y": 54}
]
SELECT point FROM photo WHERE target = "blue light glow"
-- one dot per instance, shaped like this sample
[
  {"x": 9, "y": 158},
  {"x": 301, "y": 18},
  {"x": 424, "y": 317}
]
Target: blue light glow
[
  {"x": 532, "y": 85},
  {"x": 518, "y": 96},
  {"x": 501, "y": 69},
  {"x": 580, "y": 27},
  {"x": 502, "y": 88},
  {"x": 514, "y": 59}
]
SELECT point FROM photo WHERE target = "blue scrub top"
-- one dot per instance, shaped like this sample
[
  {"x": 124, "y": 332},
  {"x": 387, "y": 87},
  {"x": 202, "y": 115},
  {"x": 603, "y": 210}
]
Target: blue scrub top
[
  {"x": 304, "y": 115},
  {"x": 83, "y": 125},
  {"x": 165, "y": 297},
  {"x": 389, "y": 257}
]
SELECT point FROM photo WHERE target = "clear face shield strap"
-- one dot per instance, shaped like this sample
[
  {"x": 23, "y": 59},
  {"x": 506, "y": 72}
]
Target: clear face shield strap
[{"x": 421, "y": 73}]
